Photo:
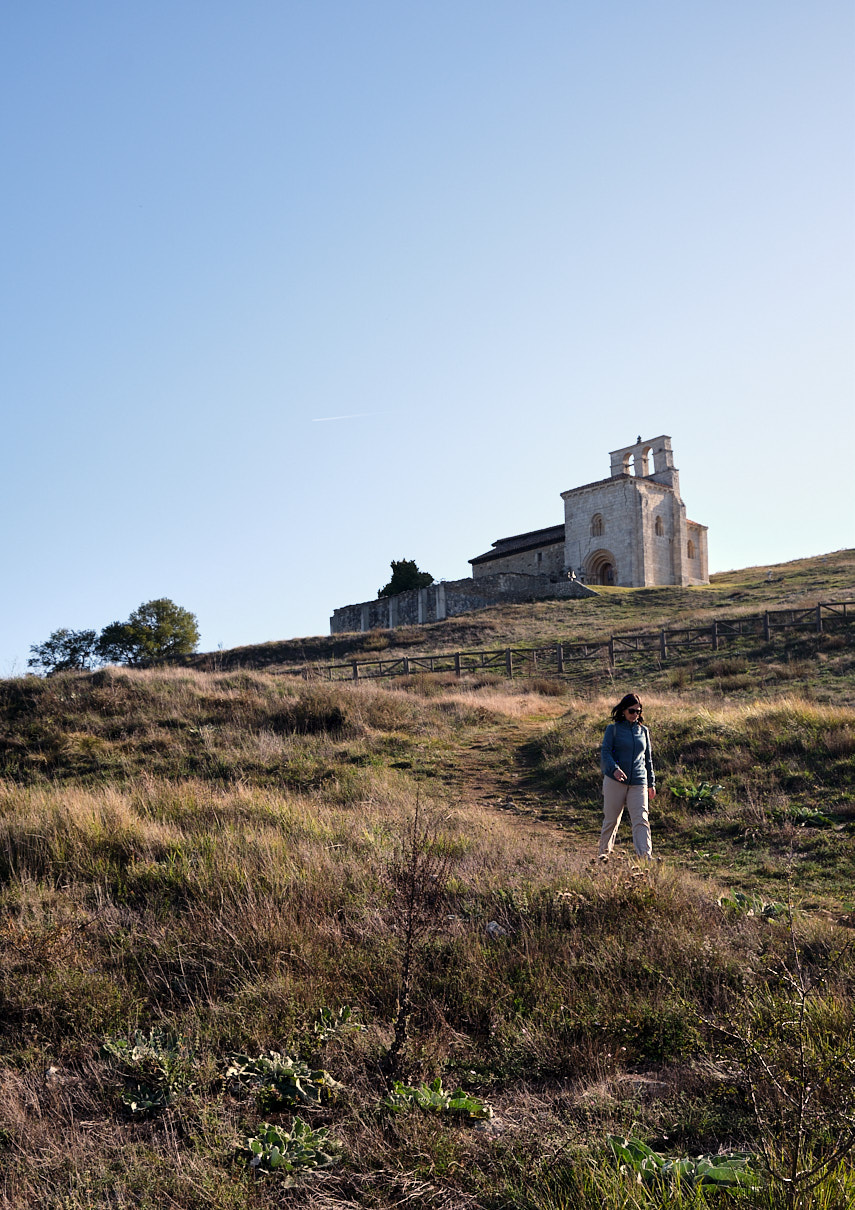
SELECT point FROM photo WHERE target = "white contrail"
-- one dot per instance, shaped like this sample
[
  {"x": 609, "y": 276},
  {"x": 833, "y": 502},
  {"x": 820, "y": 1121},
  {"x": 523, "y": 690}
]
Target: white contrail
[{"x": 351, "y": 416}]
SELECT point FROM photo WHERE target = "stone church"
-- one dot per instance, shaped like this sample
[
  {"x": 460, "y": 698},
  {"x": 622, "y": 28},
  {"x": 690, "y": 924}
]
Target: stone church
[{"x": 630, "y": 529}]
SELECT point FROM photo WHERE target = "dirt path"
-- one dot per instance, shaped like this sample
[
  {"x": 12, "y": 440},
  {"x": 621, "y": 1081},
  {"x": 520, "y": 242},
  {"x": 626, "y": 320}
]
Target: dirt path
[{"x": 492, "y": 770}]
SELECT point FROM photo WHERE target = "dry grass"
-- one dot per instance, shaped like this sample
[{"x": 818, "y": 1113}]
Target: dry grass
[
  {"x": 212, "y": 855},
  {"x": 797, "y": 584}
]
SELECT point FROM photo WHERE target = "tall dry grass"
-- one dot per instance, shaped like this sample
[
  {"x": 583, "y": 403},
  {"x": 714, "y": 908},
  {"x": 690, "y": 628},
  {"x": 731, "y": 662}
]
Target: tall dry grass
[{"x": 219, "y": 864}]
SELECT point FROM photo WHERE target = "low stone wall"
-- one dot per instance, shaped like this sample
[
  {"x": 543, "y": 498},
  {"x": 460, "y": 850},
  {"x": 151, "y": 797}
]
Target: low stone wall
[{"x": 450, "y": 598}]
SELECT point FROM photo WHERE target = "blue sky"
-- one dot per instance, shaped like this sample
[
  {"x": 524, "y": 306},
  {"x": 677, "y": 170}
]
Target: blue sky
[{"x": 501, "y": 238}]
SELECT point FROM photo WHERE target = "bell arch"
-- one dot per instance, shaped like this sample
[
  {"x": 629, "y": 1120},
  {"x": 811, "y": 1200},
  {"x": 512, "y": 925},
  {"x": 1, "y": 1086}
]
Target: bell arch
[{"x": 601, "y": 568}]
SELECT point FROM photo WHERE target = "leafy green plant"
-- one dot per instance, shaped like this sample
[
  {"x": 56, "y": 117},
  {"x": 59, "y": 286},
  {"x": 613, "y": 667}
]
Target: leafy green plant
[
  {"x": 281, "y": 1081},
  {"x": 738, "y": 903},
  {"x": 803, "y": 817},
  {"x": 275, "y": 1149},
  {"x": 156, "y": 1067},
  {"x": 331, "y": 1024},
  {"x": 434, "y": 1098},
  {"x": 730, "y": 1170},
  {"x": 700, "y": 796}
]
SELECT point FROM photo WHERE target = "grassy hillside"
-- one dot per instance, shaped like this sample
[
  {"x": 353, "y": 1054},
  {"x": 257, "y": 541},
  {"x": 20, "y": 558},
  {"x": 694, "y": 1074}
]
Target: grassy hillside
[
  {"x": 798, "y": 584},
  {"x": 394, "y": 882}
]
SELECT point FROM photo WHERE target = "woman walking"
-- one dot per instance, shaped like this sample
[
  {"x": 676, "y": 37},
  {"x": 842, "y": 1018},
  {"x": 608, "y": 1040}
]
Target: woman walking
[{"x": 628, "y": 777}]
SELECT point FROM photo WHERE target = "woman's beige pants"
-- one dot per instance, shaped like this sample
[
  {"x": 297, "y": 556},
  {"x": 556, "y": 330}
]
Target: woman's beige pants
[{"x": 616, "y": 796}]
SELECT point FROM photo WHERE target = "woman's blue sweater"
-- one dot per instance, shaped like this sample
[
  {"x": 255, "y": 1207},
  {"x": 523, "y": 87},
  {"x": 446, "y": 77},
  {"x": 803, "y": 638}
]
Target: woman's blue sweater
[{"x": 626, "y": 746}]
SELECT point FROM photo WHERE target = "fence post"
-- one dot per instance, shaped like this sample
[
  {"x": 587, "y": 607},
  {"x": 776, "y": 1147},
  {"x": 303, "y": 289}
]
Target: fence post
[
  {"x": 612, "y": 652},
  {"x": 663, "y": 645},
  {"x": 715, "y": 636},
  {"x": 766, "y": 629},
  {"x": 509, "y": 662},
  {"x": 457, "y": 663},
  {"x": 559, "y": 651},
  {"x": 356, "y": 670},
  {"x": 818, "y": 618},
  {"x": 406, "y": 664}
]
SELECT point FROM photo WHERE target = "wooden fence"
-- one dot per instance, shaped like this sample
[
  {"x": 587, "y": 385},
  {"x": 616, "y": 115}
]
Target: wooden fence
[{"x": 561, "y": 658}]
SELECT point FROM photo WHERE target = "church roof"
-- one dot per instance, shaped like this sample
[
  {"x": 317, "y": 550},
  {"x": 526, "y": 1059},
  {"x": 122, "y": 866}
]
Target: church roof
[{"x": 647, "y": 480}]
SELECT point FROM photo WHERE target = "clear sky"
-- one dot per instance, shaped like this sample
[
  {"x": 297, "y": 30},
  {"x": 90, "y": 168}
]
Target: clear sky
[{"x": 292, "y": 288}]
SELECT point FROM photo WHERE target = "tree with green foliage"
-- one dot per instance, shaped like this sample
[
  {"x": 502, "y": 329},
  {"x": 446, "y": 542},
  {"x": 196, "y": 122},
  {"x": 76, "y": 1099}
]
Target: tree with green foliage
[
  {"x": 155, "y": 631},
  {"x": 64, "y": 650},
  {"x": 405, "y": 575}
]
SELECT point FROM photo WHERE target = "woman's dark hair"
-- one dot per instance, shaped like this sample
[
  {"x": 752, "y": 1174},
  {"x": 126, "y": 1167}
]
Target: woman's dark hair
[{"x": 629, "y": 699}]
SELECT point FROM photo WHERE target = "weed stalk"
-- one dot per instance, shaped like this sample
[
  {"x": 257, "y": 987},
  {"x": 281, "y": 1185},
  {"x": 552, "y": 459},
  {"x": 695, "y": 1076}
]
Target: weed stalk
[{"x": 419, "y": 874}]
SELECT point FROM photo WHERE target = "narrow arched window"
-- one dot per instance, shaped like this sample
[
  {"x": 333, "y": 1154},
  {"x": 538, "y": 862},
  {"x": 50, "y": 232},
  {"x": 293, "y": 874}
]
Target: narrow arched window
[
  {"x": 597, "y": 526},
  {"x": 691, "y": 549},
  {"x": 659, "y": 527}
]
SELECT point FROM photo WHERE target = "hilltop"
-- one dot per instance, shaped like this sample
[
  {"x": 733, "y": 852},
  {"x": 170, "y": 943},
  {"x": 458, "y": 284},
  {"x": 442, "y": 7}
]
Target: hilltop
[{"x": 796, "y": 584}]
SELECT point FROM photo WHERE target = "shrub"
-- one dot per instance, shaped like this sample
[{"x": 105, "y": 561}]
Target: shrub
[{"x": 405, "y": 575}]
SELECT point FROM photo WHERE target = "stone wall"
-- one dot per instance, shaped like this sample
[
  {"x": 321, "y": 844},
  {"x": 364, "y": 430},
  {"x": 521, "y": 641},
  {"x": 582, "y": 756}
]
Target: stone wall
[
  {"x": 450, "y": 599},
  {"x": 665, "y": 512},
  {"x": 602, "y": 524},
  {"x": 636, "y": 526},
  {"x": 544, "y": 560},
  {"x": 699, "y": 572}
]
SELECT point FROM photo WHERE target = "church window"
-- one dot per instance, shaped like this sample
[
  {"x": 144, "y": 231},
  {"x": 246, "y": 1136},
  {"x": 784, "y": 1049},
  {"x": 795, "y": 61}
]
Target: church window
[
  {"x": 659, "y": 527},
  {"x": 691, "y": 549},
  {"x": 597, "y": 526}
]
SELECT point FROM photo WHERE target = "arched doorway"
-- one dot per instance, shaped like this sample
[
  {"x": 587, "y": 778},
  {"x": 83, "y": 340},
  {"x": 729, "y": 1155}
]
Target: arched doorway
[{"x": 601, "y": 568}]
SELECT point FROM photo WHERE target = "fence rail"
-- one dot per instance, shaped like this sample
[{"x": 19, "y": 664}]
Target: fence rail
[{"x": 554, "y": 658}]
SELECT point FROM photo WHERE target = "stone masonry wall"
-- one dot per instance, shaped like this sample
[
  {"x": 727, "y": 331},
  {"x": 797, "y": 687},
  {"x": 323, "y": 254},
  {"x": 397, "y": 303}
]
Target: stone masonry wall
[
  {"x": 615, "y": 501},
  {"x": 450, "y": 599},
  {"x": 546, "y": 560}
]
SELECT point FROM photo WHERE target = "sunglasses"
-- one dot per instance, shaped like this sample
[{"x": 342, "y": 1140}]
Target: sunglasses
[{"x": 633, "y": 710}]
